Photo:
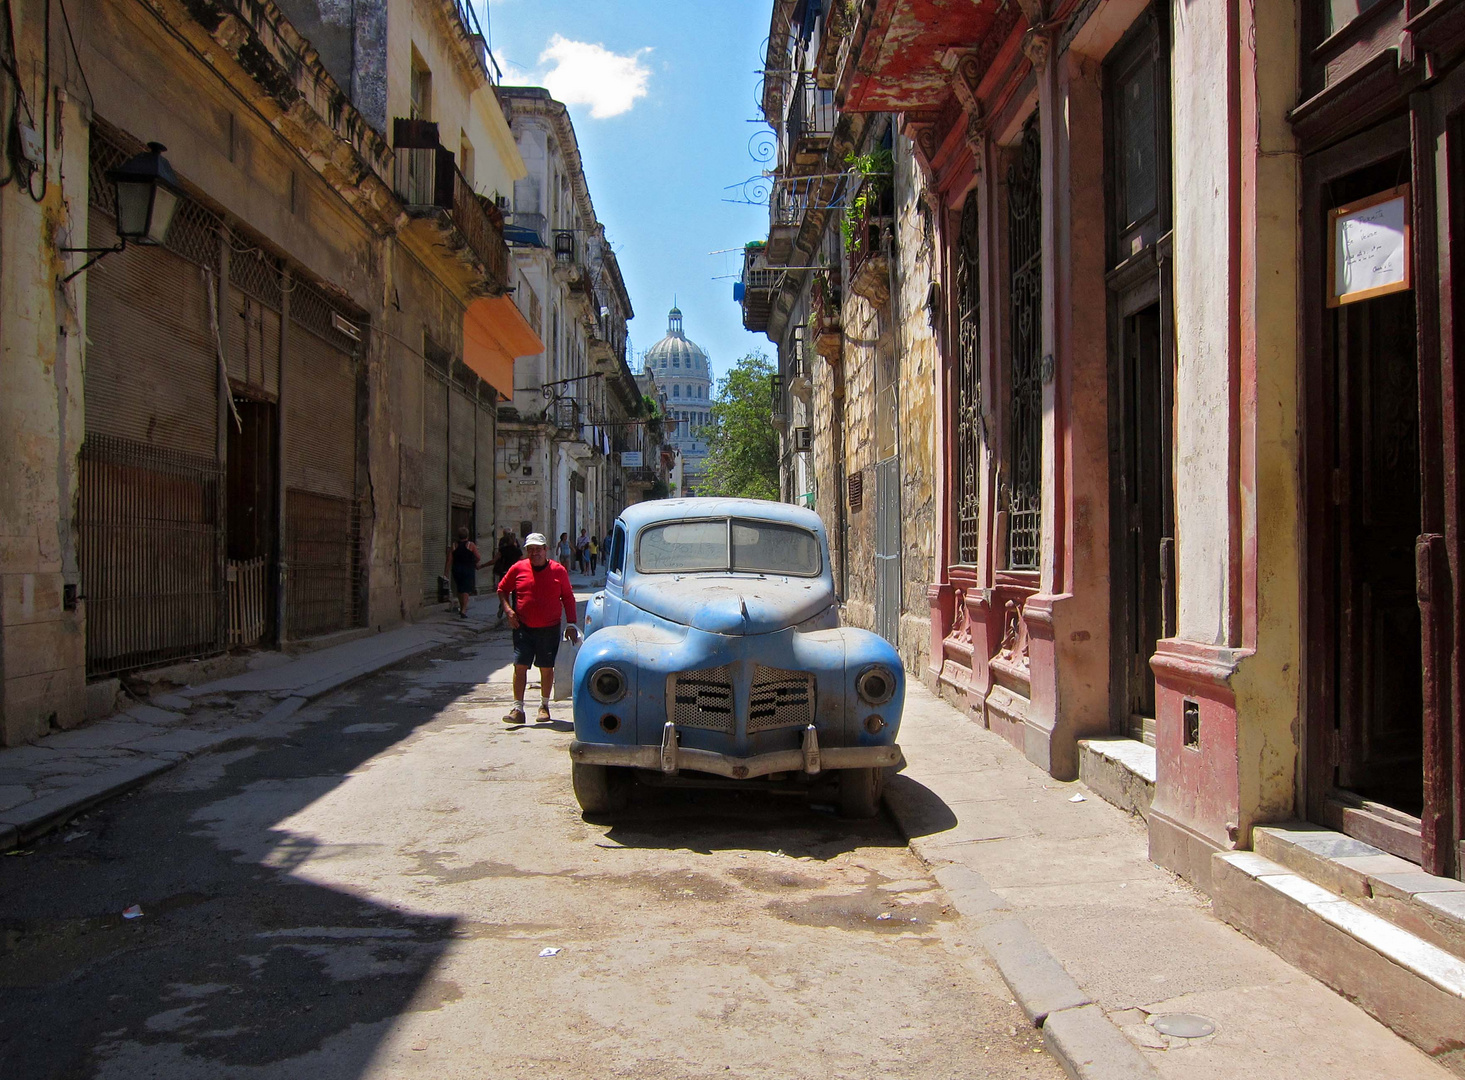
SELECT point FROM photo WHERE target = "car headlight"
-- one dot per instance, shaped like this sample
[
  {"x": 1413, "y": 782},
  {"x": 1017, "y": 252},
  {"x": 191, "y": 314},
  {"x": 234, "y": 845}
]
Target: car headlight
[
  {"x": 876, "y": 685},
  {"x": 607, "y": 684}
]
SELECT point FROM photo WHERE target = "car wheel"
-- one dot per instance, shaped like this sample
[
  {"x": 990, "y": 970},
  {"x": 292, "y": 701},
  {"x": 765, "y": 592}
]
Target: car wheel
[
  {"x": 600, "y": 789},
  {"x": 859, "y": 792}
]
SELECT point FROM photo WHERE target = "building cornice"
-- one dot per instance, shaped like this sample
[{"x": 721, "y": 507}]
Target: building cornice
[{"x": 260, "y": 55}]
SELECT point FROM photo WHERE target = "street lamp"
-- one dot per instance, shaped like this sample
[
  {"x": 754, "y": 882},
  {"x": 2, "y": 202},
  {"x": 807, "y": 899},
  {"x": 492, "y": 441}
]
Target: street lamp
[{"x": 147, "y": 194}]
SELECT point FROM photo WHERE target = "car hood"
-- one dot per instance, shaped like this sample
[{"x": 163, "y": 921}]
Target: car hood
[{"x": 727, "y": 604}]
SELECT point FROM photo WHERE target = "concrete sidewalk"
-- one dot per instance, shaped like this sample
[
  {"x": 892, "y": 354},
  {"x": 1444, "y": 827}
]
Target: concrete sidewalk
[
  {"x": 1095, "y": 940},
  {"x": 48, "y": 782}
]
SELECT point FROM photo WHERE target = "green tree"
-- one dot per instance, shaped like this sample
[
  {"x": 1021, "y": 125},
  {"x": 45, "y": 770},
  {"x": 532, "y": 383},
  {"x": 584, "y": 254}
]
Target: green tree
[{"x": 742, "y": 443}]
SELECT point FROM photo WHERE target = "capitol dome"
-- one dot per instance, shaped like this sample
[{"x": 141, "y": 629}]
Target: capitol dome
[
  {"x": 684, "y": 381},
  {"x": 675, "y": 353}
]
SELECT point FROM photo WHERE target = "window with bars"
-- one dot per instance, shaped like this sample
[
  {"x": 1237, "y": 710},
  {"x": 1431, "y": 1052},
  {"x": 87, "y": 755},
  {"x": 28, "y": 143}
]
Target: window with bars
[
  {"x": 1025, "y": 382},
  {"x": 969, "y": 429}
]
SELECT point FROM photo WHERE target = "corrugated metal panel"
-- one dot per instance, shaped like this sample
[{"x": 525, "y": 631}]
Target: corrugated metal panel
[
  {"x": 151, "y": 366},
  {"x": 253, "y": 334},
  {"x": 484, "y": 516},
  {"x": 320, "y": 416},
  {"x": 434, "y": 480},
  {"x": 462, "y": 445}
]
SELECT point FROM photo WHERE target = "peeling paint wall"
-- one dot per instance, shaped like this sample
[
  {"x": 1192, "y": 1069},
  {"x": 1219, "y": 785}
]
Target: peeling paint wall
[{"x": 1204, "y": 303}]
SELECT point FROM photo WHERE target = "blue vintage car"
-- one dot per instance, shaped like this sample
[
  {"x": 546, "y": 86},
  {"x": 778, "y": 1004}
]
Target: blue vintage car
[{"x": 715, "y": 655}]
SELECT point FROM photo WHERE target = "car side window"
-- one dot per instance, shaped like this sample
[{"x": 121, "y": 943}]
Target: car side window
[{"x": 617, "y": 551}]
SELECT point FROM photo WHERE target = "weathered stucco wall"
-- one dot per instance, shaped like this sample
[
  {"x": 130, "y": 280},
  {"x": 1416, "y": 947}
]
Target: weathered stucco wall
[
  {"x": 917, "y": 358},
  {"x": 1204, "y": 302},
  {"x": 42, "y": 655}
]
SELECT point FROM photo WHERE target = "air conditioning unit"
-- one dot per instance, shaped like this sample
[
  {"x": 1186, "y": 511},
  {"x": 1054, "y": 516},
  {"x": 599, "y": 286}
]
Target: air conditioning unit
[{"x": 803, "y": 439}]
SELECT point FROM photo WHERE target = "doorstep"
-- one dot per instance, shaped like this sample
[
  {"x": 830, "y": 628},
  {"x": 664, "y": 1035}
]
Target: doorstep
[
  {"x": 1370, "y": 925},
  {"x": 1120, "y": 771}
]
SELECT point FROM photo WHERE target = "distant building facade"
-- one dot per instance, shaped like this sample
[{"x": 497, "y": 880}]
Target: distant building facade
[
  {"x": 684, "y": 378},
  {"x": 576, "y": 406}
]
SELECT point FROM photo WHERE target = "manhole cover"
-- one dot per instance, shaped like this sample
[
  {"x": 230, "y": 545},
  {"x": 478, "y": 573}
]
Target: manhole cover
[{"x": 1183, "y": 1025}]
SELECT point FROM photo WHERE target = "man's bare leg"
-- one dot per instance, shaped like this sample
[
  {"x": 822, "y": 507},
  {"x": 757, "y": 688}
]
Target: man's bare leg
[
  {"x": 521, "y": 679},
  {"x": 546, "y": 689}
]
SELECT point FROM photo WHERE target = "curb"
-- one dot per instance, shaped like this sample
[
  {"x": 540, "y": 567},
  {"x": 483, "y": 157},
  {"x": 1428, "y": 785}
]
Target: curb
[
  {"x": 29, "y": 821},
  {"x": 1076, "y": 1032}
]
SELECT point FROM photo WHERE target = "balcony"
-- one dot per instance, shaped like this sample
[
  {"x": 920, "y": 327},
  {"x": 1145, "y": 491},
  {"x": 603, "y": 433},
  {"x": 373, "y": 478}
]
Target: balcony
[
  {"x": 475, "y": 39},
  {"x": 780, "y": 400},
  {"x": 640, "y": 476},
  {"x": 869, "y": 238},
  {"x": 526, "y": 230},
  {"x": 899, "y": 65},
  {"x": 825, "y": 319},
  {"x": 757, "y": 289},
  {"x": 437, "y": 195},
  {"x": 809, "y": 124}
]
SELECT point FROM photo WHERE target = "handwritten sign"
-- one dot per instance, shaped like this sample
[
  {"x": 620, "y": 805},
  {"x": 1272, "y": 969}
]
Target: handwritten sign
[{"x": 1371, "y": 247}]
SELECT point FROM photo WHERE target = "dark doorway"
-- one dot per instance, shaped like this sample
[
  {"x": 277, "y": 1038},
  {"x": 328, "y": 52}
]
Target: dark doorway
[
  {"x": 1379, "y": 749},
  {"x": 1143, "y": 513},
  {"x": 1141, "y": 368},
  {"x": 251, "y": 521},
  {"x": 1367, "y": 490}
]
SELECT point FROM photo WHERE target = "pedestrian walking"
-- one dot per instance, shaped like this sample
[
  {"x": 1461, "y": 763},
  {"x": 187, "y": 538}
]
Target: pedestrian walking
[
  {"x": 594, "y": 552},
  {"x": 535, "y": 591},
  {"x": 508, "y": 554},
  {"x": 582, "y": 551},
  {"x": 566, "y": 551},
  {"x": 462, "y": 566}
]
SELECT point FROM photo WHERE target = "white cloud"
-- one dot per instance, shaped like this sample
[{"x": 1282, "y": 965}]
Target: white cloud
[{"x": 588, "y": 74}]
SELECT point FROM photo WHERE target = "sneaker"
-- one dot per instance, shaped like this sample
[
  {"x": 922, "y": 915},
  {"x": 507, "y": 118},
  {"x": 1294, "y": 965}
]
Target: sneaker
[
  {"x": 514, "y": 716},
  {"x": 543, "y": 714}
]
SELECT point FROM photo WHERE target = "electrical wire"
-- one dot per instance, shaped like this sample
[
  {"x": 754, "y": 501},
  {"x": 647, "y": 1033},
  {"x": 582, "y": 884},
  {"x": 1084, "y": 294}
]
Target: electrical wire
[{"x": 91, "y": 101}]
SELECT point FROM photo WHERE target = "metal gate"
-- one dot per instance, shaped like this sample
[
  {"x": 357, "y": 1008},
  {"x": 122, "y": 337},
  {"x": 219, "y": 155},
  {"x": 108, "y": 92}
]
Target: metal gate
[
  {"x": 148, "y": 519},
  {"x": 887, "y": 549},
  {"x": 1025, "y": 406}
]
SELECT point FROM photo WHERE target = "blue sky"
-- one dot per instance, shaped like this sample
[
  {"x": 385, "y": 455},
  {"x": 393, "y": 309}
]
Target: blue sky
[{"x": 661, "y": 95}]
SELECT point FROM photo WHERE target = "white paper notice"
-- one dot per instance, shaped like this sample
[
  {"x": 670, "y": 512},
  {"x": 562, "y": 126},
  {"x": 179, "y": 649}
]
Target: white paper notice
[{"x": 1369, "y": 248}]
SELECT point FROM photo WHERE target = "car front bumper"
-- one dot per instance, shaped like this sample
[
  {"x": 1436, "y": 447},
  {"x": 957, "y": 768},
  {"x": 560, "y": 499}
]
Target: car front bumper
[{"x": 671, "y": 758}]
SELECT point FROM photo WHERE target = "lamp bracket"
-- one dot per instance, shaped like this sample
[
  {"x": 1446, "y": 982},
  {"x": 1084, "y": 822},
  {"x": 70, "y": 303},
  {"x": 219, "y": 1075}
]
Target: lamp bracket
[{"x": 100, "y": 253}]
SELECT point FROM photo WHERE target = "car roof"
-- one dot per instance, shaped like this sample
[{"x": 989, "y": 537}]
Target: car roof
[{"x": 640, "y": 515}]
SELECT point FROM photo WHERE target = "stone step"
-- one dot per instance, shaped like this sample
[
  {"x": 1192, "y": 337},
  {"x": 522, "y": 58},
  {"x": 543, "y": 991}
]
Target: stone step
[
  {"x": 1432, "y": 908},
  {"x": 1414, "y": 987},
  {"x": 1120, "y": 771}
]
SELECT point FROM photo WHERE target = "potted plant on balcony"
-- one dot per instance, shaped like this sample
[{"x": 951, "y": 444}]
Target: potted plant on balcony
[
  {"x": 868, "y": 226},
  {"x": 825, "y": 327}
]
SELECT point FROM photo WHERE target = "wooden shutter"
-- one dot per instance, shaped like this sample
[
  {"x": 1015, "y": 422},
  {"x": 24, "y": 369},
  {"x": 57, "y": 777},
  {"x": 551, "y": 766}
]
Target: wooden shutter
[
  {"x": 151, "y": 366},
  {"x": 320, "y": 416},
  {"x": 486, "y": 506},
  {"x": 434, "y": 479}
]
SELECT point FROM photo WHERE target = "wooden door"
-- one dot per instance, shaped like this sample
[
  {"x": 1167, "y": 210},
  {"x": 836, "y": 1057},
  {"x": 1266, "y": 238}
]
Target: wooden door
[
  {"x": 1378, "y": 751},
  {"x": 1144, "y": 515}
]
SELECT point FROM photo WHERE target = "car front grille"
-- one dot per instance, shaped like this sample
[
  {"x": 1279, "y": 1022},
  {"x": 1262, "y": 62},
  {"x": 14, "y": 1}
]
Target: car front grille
[
  {"x": 780, "y": 699},
  {"x": 703, "y": 699}
]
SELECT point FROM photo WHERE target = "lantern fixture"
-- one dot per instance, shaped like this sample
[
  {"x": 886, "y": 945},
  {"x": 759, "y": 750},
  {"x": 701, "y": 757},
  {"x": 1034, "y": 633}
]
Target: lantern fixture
[{"x": 146, "y": 194}]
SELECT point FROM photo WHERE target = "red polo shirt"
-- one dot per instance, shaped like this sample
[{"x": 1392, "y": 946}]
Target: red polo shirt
[{"x": 539, "y": 595}]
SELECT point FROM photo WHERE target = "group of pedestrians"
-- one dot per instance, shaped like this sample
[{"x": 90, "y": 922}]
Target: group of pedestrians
[
  {"x": 583, "y": 554},
  {"x": 533, "y": 591}
]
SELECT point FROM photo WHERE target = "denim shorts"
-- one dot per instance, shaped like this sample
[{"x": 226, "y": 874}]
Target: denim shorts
[{"x": 536, "y": 646}]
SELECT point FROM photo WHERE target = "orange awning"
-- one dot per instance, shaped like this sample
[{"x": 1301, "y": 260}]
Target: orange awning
[{"x": 494, "y": 333}]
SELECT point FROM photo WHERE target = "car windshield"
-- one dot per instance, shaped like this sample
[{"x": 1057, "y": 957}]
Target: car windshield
[{"x": 761, "y": 547}]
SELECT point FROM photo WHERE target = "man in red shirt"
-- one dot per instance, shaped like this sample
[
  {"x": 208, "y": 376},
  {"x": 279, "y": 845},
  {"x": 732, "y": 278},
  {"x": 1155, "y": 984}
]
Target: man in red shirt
[{"x": 534, "y": 591}]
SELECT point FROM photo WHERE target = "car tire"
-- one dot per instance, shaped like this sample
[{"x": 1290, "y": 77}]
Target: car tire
[
  {"x": 859, "y": 792},
  {"x": 600, "y": 789}
]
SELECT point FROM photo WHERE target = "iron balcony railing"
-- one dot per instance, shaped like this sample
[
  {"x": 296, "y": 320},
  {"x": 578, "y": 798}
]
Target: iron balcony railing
[
  {"x": 811, "y": 118},
  {"x": 526, "y": 230},
  {"x": 429, "y": 182},
  {"x": 757, "y": 287},
  {"x": 473, "y": 31},
  {"x": 564, "y": 245}
]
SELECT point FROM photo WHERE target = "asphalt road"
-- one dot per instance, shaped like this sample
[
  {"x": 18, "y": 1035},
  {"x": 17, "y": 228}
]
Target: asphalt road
[{"x": 369, "y": 894}]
